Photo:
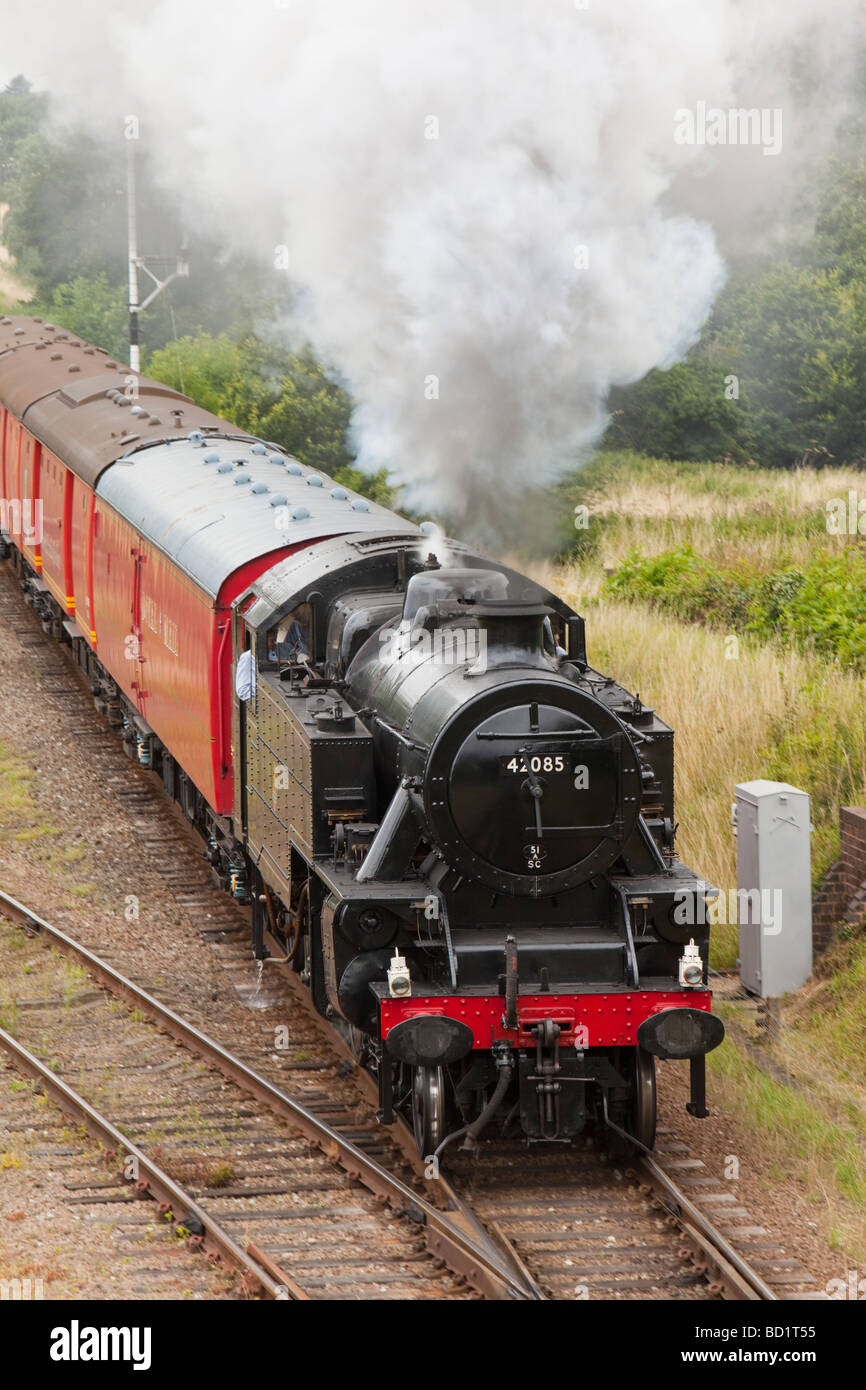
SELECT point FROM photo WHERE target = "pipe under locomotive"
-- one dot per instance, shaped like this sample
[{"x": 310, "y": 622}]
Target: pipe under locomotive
[{"x": 459, "y": 832}]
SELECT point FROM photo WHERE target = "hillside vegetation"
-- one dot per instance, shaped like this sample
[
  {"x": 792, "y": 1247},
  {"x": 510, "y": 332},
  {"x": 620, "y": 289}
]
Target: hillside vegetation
[{"x": 719, "y": 594}]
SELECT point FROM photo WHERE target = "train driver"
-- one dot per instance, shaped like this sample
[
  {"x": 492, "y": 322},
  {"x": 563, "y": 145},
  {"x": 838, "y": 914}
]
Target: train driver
[
  {"x": 291, "y": 640},
  {"x": 245, "y": 675}
]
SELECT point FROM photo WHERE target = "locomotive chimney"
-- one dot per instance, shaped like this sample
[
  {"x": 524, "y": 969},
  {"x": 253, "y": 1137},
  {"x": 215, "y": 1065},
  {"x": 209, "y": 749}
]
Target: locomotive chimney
[{"x": 514, "y": 634}]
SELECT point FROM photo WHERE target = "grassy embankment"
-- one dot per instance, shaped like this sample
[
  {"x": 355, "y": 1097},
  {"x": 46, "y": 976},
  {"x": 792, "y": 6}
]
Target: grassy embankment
[{"x": 676, "y": 560}]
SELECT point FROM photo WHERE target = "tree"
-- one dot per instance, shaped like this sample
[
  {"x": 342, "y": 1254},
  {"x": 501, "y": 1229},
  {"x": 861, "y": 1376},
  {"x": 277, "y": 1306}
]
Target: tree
[
  {"x": 682, "y": 413},
  {"x": 22, "y": 113},
  {"x": 794, "y": 335},
  {"x": 93, "y": 309},
  {"x": 284, "y": 397},
  {"x": 67, "y": 215}
]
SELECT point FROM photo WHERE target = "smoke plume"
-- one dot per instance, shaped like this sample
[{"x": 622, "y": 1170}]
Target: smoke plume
[{"x": 484, "y": 206}]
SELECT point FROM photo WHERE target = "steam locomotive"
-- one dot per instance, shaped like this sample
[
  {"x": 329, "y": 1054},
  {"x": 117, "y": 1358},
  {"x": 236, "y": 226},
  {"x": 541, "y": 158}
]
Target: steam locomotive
[{"x": 397, "y": 753}]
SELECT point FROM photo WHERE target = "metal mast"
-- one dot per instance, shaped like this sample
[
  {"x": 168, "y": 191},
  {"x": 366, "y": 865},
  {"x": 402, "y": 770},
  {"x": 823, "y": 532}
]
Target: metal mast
[
  {"x": 132, "y": 236},
  {"x": 137, "y": 262}
]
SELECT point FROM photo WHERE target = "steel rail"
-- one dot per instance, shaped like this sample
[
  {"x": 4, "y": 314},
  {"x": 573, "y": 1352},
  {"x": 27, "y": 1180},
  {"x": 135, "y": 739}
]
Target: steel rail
[
  {"x": 706, "y": 1242},
  {"x": 459, "y": 1209},
  {"x": 735, "y": 1277},
  {"x": 152, "y": 1179},
  {"x": 468, "y": 1252}
]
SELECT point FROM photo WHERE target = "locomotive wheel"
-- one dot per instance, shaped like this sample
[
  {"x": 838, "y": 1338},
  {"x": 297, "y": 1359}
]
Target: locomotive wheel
[
  {"x": 428, "y": 1108},
  {"x": 641, "y": 1121},
  {"x": 355, "y": 1039},
  {"x": 296, "y": 924}
]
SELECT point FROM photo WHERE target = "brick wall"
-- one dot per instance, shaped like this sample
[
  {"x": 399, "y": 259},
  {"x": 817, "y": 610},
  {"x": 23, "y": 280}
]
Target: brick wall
[
  {"x": 842, "y": 895},
  {"x": 852, "y": 825},
  {"x": 828, "y": 907}
]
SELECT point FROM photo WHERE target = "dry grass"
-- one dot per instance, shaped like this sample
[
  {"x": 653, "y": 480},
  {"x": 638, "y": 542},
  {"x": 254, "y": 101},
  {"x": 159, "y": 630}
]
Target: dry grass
[
  {"x": 727, "y": 549},
  {"x": 193, "y": 1169},
  {"x": 763, "y": 712},
  {"x": 804, "y": 1138},
  {"x": 733, "y": 516},
  {"x": 828, "y": 1015},
  {"x": 712, "y": 492},
  {"x": 725, "y": 714}
]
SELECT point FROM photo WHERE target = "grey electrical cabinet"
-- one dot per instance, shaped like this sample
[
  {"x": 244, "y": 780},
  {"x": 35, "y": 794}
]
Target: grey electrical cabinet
[{"x": 774, "y": 887}]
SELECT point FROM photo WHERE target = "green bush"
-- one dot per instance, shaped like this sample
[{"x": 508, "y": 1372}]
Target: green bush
[{"x": 820, "y": 608}]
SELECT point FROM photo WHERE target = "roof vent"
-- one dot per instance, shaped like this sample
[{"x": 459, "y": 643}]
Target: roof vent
[
  {"x": 111, "y": 364},
  {"x": 40, "y": 347},
  {"x": 112, "y": 393},
  {"x": 36, "y": 320},
  {"x": 122, "y": 400},
  {"x": 55, "y": 356},
  {"x": 74, "y": 367},
  {"x": 339, "y": 494},
  {"x": 360, "y": 504},
  {"x": 279, "y": 500},
  {"x": 224, "y": 468},
  {"x": 240, "y": 463},
  {"x": 62, "y": 337},
  {"x": 258, "y": 449},
  {"x": 211, "y": 457},
  {"x": 195, "y": 437},
  {"x": 277, "y": 458},
  {"x": 154, "y": 420},
  {"x": 295, "y": 469},
  {"x": 428, "y": 528},
  {"x": 241, "y": 478},
  {"x": 299, "y": 514},
  {"x": 88, "y": 351},
  {"x": 314, "y": 481},
  {"x": 136, "y": 409},
  {"x": 19, "y": 331},
  {"x": 259, "y": 487},
  {"x": 5, "y": 320},
  {"x": 49, "y": 327}
]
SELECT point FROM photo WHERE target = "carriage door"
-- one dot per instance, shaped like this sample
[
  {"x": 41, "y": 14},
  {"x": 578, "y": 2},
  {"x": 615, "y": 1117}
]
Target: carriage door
[{"x": 135, "y": 641}]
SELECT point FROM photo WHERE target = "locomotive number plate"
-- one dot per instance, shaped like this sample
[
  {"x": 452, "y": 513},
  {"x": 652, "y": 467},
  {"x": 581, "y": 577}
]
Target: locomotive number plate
[{"x": 522, "y": 763}]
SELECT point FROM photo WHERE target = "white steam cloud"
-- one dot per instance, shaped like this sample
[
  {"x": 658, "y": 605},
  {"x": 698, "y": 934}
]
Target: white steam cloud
[{"x": 484, "y": 204}]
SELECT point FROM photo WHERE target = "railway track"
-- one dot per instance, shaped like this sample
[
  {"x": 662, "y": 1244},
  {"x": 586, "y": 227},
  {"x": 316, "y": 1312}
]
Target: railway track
[
  {"x": 301, "y": 1173},
  {"x": 559, "y": 1225},
  {"x": 149, "y": 1178},
  {"x": 71, "y": 1224},
  {"x": 591, "y": 1230}
]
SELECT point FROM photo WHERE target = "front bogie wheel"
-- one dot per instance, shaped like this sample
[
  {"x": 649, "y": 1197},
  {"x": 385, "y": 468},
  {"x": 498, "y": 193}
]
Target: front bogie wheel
[
  {"x": 632, "y": 1108},
  {"x": 428, "y": 1108},
  {"x": 643, "y": 1107}
]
